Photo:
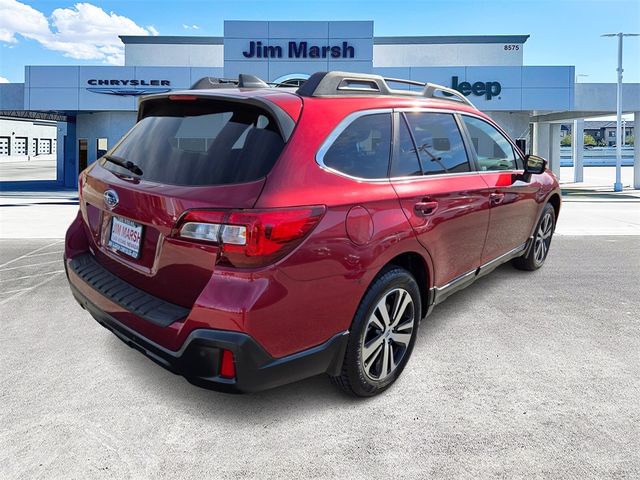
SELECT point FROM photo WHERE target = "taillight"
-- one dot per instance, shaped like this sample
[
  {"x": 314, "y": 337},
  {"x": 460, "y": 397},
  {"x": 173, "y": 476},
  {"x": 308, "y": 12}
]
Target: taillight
[{"x": 251, "y": 238}]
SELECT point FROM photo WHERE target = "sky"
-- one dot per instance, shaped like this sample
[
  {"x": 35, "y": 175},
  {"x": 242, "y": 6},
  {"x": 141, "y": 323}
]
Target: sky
[{"x": 563, "y": 32}]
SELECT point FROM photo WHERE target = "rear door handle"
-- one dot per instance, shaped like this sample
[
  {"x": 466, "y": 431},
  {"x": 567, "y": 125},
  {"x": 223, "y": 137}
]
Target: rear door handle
[
  {"x": 496, "y": 198},
  {"x": 425, "y": 207}
]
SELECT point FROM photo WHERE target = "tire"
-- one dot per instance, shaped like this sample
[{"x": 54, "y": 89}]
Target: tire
[
  {"x": 371, "y": 369},
  {"x": 538, "y": 252}
]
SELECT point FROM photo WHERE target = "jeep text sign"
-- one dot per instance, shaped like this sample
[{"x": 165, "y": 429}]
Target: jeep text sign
[{"x": 488, "y": 89}]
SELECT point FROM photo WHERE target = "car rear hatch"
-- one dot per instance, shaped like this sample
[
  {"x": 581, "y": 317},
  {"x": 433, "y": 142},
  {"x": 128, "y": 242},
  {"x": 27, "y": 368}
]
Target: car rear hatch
[{"x": 204, "y": 152}]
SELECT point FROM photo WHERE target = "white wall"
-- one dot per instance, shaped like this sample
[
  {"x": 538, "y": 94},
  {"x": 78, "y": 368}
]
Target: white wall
[
  {"x": 171, "y": 55},
  {"x": 109, "y": 125},
  {"x": 516, "y": 124},
  {"x": 32, "y": 130},
  {"x": 446, "y": 55}
]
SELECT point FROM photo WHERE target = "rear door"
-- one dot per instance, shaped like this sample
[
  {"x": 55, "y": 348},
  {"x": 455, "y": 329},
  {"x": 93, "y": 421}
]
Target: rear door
[
  {"x": 189, "y": 153},
  {"x": 512, "y": 197},
  {"x": 444, "y": 199}
]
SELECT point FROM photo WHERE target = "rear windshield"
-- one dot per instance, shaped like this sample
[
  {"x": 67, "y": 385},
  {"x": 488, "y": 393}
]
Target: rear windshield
[{"x": 200, "y": 142}]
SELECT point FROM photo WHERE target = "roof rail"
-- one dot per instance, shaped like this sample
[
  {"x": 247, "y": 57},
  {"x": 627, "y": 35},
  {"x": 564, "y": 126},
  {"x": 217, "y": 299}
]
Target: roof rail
[
  {"x": 244, "y": 81},
  {"x": 329, "y": 84}
]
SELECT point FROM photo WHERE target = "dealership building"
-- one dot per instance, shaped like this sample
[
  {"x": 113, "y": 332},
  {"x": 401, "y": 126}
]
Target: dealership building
[{"x": 93, "y": 106}]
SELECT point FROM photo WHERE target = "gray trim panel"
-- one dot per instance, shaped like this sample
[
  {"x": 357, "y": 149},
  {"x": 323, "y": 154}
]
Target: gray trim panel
[
  {"x": 449, "y": 39},
  {"x": 170, "y": 39},
  {"x": 411, "y": 40}
]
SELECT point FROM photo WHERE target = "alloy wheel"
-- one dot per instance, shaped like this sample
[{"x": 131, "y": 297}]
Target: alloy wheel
[
  {"x": 543, "y": 239},
  {"x": 387, "y": 334}
]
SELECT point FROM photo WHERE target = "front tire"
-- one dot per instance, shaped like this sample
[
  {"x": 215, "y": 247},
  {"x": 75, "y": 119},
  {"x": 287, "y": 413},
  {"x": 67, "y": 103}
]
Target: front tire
[
  {"x": 382, "y": 334},
  {"x": 538, "y": 252}
]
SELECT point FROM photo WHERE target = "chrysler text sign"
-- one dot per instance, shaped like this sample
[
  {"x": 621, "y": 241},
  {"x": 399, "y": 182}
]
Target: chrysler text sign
[{"x": 131, "y": 87}]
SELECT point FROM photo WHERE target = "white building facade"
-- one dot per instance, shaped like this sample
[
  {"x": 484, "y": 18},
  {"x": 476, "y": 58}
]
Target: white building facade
[{"x": 99, "y": 102}]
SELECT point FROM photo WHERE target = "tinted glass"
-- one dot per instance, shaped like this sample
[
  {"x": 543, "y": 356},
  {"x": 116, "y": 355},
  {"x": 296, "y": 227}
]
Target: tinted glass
[
  {"x": 363, "y": 148},
  {"x": 494, "y": 152},
  {"x": 406, "y": 162},
  {"x": 438, "y": 142},
  {"x": 201, "y": 143}
]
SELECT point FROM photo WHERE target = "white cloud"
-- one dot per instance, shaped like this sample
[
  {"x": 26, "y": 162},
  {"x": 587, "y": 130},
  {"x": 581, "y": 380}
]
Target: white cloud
[
  {"x": 153, "y": 30},
  {"x": 85, "y": 32},
  {"x": 4, "y": 80},
  {"x": 190, "y": 27}
]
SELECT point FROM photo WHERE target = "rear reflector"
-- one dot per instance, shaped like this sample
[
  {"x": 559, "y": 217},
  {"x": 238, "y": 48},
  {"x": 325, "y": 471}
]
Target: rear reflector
[
  {"x": 251, "y": 238},
  {"x": 227, "y": 365}
]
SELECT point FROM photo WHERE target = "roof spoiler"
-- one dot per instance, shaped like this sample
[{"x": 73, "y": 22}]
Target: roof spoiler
[
  {"x": 331, "y": 84},
  {"x": 244, "y": 81}
]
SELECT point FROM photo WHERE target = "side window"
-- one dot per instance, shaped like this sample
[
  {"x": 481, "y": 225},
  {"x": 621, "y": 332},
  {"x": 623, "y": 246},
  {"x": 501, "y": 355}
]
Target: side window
[
  {"x": 363, "y": 148},
  {"x": 438, "y": 142},
  {"x": 406, "y": 162},
  {"x": 494, "y": 152}
]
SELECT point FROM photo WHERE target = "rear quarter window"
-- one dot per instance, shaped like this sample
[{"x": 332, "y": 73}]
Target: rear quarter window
[
  {"x": 202, "y": 142},
  {"x": 363, "y": 148}
]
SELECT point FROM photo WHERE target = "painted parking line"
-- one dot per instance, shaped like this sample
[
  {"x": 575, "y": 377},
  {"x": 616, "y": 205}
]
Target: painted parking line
[
  {"x": 26, "y": 290},
  {"x": 30, "y": 253},
  {"x": 29, "y": 276},
  {"x": 30, "y": 265},
  {"x": 57, "y": 252}
]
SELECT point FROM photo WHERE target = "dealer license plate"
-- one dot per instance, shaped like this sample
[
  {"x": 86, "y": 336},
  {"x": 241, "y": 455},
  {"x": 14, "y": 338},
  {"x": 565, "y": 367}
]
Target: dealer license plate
[{"x": 125, "y": 236}]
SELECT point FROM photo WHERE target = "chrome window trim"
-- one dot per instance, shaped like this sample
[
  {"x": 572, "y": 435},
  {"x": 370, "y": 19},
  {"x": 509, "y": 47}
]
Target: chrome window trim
[
  {"x": 428, "y": 177},
  {"x": 341, "y": 127},
  {"x": 346, "y": 121}
]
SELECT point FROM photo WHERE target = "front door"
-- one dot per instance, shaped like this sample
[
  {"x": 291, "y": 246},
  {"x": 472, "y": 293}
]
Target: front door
[
  {"x": 444, "y": 199},
  {"x": 512, "y": 197}
]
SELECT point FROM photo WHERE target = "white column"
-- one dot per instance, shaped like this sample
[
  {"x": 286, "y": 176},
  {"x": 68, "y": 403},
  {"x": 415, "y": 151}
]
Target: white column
[
  {"x": 577, "y": 148},
  {"x": 636, "y": 151},
  {"x": 60, "y": 138},
  {"x": 541, "y": 132},
  {"x": 554, "y": 149}
]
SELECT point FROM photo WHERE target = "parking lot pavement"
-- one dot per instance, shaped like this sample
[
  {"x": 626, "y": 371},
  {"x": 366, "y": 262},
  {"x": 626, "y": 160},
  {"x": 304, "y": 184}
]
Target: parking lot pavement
[
  {"x": 36, "y": 168},
  {"x": 520, "y": 375}
]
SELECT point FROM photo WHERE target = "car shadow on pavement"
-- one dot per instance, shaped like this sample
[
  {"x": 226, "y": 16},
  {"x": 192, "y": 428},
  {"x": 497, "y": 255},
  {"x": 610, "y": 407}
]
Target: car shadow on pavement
[{"x": 313, "y": 394}]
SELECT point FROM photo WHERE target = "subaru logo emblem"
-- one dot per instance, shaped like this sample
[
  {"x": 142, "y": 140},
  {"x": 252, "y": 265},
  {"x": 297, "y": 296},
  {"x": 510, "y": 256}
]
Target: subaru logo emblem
[{"x": 111, "y": 199}]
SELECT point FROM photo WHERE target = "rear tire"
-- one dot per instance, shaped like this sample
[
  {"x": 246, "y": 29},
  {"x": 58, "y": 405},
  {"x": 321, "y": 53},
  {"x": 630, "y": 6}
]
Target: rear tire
[
  {"x": 538, "y": 252},
  {"x": 382, "y": 334}
]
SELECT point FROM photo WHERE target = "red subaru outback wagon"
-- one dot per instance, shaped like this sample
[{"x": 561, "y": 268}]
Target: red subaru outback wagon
[{"x": 245, "y": 236}]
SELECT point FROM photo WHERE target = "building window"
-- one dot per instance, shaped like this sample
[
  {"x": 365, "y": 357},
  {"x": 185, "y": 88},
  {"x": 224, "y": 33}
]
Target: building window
[{"x": 101, "y": 147}]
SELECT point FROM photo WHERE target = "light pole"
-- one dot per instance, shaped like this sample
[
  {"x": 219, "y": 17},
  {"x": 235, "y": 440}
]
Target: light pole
[{"x": 617, "y": 187}]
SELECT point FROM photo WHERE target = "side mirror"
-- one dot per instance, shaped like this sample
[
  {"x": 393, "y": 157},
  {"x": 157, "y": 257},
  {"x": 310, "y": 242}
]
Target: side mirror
[{"x": 534, "y": 164}]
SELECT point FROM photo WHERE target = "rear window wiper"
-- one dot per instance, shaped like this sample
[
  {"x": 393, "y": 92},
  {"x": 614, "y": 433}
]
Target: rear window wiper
[{"x": 132, "y": 167}]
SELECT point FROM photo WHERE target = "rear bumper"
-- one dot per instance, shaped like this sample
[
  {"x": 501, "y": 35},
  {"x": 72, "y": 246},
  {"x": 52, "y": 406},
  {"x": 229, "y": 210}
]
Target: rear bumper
[{"x": 199, "y": 357}]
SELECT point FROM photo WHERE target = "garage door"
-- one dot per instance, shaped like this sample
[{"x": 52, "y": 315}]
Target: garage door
[
  {"x": 4, "y": 145},
  {"x": 44, "y": 146},
  {"x": 20, "y": 146}
]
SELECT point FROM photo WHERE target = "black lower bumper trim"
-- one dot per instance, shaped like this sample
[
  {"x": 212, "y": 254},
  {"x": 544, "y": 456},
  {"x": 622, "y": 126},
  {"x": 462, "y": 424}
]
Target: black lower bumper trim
[
  {"x": 152, "y": 309},
  {"x": 198, "y": 359}
]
